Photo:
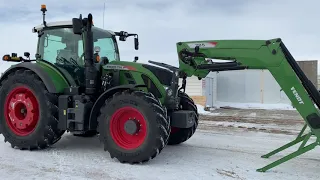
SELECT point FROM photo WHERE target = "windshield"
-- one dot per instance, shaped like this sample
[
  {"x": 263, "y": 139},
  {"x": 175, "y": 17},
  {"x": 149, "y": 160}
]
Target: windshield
[
  {"x": 62, "y": 46},
  {"x": 106, "y": 43}
]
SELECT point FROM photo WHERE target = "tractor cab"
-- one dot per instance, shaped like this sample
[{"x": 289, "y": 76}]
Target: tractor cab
[{"x": 58, "y": 45}]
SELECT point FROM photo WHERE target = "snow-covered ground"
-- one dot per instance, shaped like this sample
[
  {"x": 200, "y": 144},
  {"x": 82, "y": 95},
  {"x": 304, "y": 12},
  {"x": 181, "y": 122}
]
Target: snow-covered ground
[
  {"x": 277, "y": 106},
  {"x": 227, "y": 145}
]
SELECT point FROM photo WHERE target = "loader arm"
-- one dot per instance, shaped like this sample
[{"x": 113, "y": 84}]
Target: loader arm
[{"x": 258, "y": 54}]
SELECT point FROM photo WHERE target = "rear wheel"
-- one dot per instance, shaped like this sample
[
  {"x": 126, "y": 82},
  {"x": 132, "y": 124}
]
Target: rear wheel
[
  {"x": 23, "y": 123},
  {"x": 180, "y": 135},
  {"x": 133, "y": 126}
]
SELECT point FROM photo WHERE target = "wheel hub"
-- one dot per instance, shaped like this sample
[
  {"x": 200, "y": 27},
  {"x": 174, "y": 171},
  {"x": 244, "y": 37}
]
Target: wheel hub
[
  {"x": 21, "y": 111},
  {"x": 131, "y": 126},
  {"x": 128, "y": 128}
]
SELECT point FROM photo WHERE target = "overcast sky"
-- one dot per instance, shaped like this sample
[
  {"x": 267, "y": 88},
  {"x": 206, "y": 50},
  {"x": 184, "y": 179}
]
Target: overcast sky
[{"x": 162, "y": 23}]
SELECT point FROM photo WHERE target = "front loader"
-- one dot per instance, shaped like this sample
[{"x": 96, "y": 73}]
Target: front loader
[
  {"x": 196, "y": 58},
  {"x": 78, "y": 84}
]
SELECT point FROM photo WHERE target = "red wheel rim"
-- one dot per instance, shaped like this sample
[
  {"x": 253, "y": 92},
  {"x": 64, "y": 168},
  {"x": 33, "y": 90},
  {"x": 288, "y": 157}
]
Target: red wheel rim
[
  {"x": 117, "y": 128},
  {"x": 21, "y": 111}
]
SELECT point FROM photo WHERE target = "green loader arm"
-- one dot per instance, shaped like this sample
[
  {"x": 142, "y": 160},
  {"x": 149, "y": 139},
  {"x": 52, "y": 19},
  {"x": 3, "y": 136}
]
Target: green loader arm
[{"x": 259, "y": 54}]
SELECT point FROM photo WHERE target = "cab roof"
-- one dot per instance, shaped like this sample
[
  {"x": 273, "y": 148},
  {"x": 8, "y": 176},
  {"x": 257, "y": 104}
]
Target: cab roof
[{"x": 65, "y": 23}]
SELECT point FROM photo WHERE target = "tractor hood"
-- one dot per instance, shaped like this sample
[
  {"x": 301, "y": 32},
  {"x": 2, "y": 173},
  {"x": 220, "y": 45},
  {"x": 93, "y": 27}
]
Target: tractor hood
[{"x": 162, "y": 74}]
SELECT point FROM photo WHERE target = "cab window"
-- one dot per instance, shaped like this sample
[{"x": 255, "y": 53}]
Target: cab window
[{"x": 61, "y": 46}]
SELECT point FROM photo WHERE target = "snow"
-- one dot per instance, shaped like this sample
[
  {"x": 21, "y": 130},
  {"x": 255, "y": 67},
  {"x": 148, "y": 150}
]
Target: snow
[
  {"x": 227, "y": 146},
  {"x": 278, "y": 106},
  {"x": 202, "y": 111},
  {"x": 207, "y": 155}
]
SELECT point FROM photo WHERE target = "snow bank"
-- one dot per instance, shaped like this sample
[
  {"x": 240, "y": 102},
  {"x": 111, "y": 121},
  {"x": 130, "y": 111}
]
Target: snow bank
[
  {"x": 255, "y": 106},
  {"x": 204, "y": 112}
]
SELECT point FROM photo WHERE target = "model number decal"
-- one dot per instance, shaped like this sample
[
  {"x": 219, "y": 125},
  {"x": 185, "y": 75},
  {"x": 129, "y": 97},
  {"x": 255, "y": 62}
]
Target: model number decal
[
  {"x": 119, "y": 67},
  {"x": 296, "y": 94},
  {"x": 202, "y": 44}
]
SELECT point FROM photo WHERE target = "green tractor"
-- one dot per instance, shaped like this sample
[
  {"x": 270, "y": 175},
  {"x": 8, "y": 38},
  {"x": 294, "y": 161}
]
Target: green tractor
[{"x": 78, "y": 84}]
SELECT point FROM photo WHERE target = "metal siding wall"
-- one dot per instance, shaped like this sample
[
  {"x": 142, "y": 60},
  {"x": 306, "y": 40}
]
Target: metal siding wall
[
  {"x": 310, "y": 68},
  {"x": 239, "y": 86},
  {"x": 253, "y": 86}
]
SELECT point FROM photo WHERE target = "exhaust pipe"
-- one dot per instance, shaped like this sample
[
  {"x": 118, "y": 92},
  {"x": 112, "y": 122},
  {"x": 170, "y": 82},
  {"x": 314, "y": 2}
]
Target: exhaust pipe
[{"x": 91, "y": 72}]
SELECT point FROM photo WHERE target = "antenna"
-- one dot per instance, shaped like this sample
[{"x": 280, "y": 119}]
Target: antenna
[{"x": 104, "y": 9}]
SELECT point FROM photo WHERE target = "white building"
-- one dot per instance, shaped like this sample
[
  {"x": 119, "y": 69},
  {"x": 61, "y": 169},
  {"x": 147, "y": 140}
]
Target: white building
[
  {"x": 244, "y": 88},
  {"x": 195, "y": 87}
]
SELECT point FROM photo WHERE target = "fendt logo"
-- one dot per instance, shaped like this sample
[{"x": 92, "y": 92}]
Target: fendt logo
[{"x": 296, "y": 94}]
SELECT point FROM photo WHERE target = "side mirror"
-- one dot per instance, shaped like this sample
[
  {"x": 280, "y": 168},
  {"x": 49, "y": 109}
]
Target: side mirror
[
  {"x": 77, "y": 26},
  {"x": 122, "y": 38},
  {"x": 136, "y": 58},
  {"x": 26, "y": 54},
  {"x": 136, "y": 43}
]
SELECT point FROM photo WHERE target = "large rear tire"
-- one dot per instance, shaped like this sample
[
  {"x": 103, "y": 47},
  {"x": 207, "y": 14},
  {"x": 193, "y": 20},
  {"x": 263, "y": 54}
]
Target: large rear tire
[
  {"x": 133, "y": 126},
  {"x": 180, "y": 135},
  {"x": 29, "y": 113}
]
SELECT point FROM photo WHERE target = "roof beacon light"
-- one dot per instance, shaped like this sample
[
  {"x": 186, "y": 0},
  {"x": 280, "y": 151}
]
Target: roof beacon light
[{"x": 44, "y": 9}]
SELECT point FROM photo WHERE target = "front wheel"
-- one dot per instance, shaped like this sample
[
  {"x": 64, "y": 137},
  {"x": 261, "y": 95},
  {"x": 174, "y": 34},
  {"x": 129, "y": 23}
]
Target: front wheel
[
  {"x": 133, "y": 126},
  {"x": 180, "y": 135}
]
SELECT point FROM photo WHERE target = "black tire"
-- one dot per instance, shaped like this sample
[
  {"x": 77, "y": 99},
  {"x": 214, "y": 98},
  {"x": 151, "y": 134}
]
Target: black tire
[
  {"x": 46, "y": 130},
  {"x": 152, "y": 117},
  {"x": 90, "y": 133},
  {"x": 180, "y": 135}
]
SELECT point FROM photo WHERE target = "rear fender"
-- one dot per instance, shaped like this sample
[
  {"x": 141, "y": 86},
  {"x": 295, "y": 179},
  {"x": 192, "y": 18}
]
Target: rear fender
[
  {"x": 44, "y": 76},
  {"x": 103, "y": 97}
]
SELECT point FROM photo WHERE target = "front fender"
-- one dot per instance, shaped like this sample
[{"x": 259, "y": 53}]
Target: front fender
[{"x": 102, "y": 98}]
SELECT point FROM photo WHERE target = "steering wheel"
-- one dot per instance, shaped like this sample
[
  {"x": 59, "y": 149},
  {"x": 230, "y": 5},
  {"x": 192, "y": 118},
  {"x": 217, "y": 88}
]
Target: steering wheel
[{"x": 64, "y": 63}]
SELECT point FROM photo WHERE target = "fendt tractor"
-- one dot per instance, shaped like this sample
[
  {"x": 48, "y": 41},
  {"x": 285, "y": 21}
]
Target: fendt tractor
[{"x": 77, "y": 84}]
